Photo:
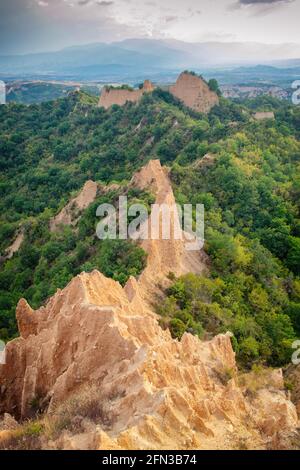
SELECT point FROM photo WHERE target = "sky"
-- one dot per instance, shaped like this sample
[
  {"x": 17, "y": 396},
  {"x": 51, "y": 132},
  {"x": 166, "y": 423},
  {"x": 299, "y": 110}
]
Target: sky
[{"x": 42, "y": 25}]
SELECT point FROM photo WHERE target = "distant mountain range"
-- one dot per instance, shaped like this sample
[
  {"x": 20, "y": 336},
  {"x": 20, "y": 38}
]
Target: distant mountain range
[{"x": 134, "y": 57}]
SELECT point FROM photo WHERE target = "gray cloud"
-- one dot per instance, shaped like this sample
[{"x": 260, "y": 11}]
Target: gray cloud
[
  {"x": 100, "y": 3},
  {"x": 259, "y": 7},
  {"x": 263, "y": 2},
  {"x": 169, "y": 19},
  {"x": 39, "y": 25},
  {"x": 104, "y": 3},
  {"x": 25, "y": 26}
]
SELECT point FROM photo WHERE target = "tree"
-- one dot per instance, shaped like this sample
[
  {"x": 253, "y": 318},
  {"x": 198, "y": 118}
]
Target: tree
[
  {"x": 293, "y": 255},
  {"x": 214, "y": 86}
]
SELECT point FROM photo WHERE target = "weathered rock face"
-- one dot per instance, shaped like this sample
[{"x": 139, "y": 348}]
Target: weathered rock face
[
  {"x": 159, "y": 393},
  {"x": 166, "y": 393},
  {"x": 194, "y": 93},
  {"x": 164, "y": 255},
  {"x": 189, "y": 88},
  {"x": 292, "y": 377},
  {"x": 15, "y": 246},
  {"x": 70, "y": 213},
  {"x": 260, "y": 116},
  {"x": 111, "y": 96}
]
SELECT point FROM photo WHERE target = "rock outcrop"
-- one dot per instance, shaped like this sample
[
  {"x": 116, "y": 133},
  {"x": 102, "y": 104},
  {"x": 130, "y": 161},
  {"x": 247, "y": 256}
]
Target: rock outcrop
[
  {"x": 260, "y": 116},
  {"x": 292, "y": 378},
  {"x": 155, "y": 392},
  {"x": 15, "y": 246},
  {"x": 159, "y": 393},
  {"x": 110, "y": 96},
  {"x": 194, "y": 92},
  {"x": 70, "y": 214},
  {"x": 189, "y": 88},
  {"x": 165, "y": 255}
]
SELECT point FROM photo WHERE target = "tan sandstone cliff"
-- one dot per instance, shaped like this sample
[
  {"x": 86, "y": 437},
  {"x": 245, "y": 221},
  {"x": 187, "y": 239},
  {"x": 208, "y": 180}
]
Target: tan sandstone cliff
[
  {"x": 71, "y": 212},
  {"x": 260, "y": 116},
  {"x": 194, "y": 92},
  {"x": 189, "y": 88},
  {"x": 292, "y": 378},
  {"x": 149, "y": 391},
  {"x": 14, "y": 247},
  {"x": 120, "y": 96}
]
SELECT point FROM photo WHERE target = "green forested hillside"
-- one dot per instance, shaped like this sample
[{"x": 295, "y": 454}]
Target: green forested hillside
[
  {"x": 39, "y": 91},
  {"x": 250, "y": 186}
]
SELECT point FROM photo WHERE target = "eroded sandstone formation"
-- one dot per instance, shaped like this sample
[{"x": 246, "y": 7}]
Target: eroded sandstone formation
[
  {"x": 71, "y": 212},
  {"x": 110, "y": 96},
  {"x": 156, "y": 392},
  {"x": 189, "y": 88},
  {"x": 292, "y": 378},
  {"x": 260, "y": 116},
  {"x": 14, "y": 247},
  {"x": 194, "y": 92},
  {"x": 165, "y": 255}
]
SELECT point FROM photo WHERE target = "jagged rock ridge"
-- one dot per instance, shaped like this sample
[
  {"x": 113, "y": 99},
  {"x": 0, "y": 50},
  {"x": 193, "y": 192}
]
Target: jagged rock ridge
[
  {"x": 260, "y": 116},
  {"x": 160, "y": 393},
  {"x": 14, "y": 247},
  {"x": 110, "y": 96},
  {"x": 70, "y": 214},
  {"x": 192, "y": 90}
]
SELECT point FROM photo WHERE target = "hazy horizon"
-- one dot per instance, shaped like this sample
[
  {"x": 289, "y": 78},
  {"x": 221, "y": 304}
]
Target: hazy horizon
[{"x": 165, "y": 40}]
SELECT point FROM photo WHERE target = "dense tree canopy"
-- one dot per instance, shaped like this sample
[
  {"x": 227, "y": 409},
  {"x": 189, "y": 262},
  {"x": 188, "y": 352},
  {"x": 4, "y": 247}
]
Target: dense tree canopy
[{"x": 248, "y": 181}]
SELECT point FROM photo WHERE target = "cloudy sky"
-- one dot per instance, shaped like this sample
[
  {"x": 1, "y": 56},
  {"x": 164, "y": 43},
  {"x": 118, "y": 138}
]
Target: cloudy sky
[{"x": 40, "y": 25}]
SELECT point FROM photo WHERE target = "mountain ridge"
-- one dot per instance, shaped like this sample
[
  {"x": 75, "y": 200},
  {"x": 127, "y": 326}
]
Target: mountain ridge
[{"x": 147, "y": 54}]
